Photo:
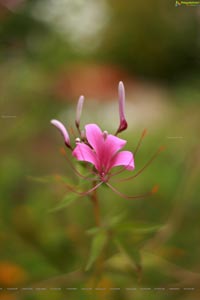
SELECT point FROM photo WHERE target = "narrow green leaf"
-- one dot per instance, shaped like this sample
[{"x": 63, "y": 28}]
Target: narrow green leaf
[
  {"x": 148, "y": 229},
  {"x": 93, "y": 230},
  {"x": 138, "y": 228},
  {"x": 97, "y": 246},
  {"x": 43, "y": 179},
  {"x": 67, "y": 200},
  {"x": 132, "y": 252},
  {"x": 114, "y": 221},
  {"x": 134, "y": 237},
  {"x": 50, "y": 178}
]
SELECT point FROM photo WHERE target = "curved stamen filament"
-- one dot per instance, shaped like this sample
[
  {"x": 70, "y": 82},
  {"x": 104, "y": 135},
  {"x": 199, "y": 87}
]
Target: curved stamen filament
[
  {"x": 154, "y": 190},
  {"x": 136, "y": 150},
  {"x": 84, "y": 193},
  {"x": 140, "y": 141},
  {"x": 144, "y": 167},
  {"x": 73, "y": 168},
  {"x": 122, "y": 169}
]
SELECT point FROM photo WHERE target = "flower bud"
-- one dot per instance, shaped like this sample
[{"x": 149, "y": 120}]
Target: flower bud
[
  {"x": 79, "y": 111},
  {"x": 123, "y": 123},
  {"x": 63, "y": 131}
]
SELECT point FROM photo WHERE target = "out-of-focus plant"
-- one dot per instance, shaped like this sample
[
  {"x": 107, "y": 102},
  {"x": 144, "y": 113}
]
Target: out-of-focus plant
[
  {"x": 153, "y": 39},
  {"x": 99, "y": 153}
]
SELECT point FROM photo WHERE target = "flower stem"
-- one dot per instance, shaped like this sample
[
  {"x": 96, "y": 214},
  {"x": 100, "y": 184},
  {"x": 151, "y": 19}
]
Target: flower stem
[{"x": 96, "y": 210}]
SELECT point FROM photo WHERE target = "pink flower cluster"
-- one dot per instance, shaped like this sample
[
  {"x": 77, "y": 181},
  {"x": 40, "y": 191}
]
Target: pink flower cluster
[{"x": 99, "y": 148}]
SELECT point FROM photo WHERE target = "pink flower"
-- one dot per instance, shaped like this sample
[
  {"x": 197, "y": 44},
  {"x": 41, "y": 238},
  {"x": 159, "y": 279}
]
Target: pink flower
[{"x": 103, "y": 151}]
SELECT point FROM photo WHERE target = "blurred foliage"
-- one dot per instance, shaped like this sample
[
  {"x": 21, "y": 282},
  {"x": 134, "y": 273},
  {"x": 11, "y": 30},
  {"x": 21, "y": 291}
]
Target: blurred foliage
[
  {"x": 25, "y": 37},
  {"x": 153, "y": 39}
]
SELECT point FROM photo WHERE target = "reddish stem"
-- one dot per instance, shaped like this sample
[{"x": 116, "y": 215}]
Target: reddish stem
[{"x": 96, "y": 210}]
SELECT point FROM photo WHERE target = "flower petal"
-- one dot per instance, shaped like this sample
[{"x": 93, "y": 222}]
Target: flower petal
[
  {"x": 96, "y": 139},
  {"x": 123, "y": 158},
  {"x": 83, "y": 152},
  {"x": 114, "y": 144},
  {"x": 94, "y": 136},
  {"x": 111, "y": 146},
  {"x": 105, "y": 146}
]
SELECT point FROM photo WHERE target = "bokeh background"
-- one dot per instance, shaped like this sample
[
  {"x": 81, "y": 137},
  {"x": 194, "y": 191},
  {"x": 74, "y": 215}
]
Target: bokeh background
[{"x": 50, "y": 53}]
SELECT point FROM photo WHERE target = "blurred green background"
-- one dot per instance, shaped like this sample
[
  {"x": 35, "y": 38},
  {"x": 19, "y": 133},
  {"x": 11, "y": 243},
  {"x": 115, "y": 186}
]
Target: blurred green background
[{"x": 50, "y": 53}]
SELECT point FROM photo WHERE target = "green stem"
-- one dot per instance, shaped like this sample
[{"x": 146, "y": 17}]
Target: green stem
[{"x": 95, "y": 201}]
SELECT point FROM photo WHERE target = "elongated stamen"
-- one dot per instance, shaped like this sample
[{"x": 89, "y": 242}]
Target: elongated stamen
[
  {"x": 74, "y": 169},
  {"x": 145, "y": 166},
  {"x": 140, "y": 141},
  {"x": 84, "y": 193},
  {"x": 154, "y": 190},
  {"x": 79, "y": 112},
  {"x": 72, "y": 132},
  {"x": 122, "y": 169},
  {"x": 63, "y": 131},
  {"x": 123, "y": 123}
]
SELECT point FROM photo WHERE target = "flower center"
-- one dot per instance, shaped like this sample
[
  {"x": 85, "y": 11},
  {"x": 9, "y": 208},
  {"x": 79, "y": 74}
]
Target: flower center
[{"x": 104, "y": 177}]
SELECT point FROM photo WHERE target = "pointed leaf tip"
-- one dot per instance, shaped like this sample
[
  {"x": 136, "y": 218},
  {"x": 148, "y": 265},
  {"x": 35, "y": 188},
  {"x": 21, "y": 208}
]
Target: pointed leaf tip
[
  {"x": 66, "y": 201},
  {"x": 97, "y": 246}
]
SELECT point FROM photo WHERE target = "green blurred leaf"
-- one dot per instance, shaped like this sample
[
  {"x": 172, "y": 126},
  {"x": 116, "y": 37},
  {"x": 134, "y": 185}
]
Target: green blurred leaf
[
  {"x": 114, "y": 221},
  {"x": 97, "y": 246},
  {"x": 81, "y": 168},
  {"x": 67, "y": 200},
  {"x": 129, "y": 250},
  {"x": 131, "y": 236},
  {"x": 51, "y": 178},
  {"x": 137, "y": 228},
  {"x": 93, "y": 230},
  {"x": 43, "y": 179}
]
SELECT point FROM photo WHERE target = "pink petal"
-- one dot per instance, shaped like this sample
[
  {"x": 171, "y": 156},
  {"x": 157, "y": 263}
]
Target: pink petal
[
  {"x": 114, "y": 144},
  {"x": 83, "y": 152},
  {"x": 111, "y": 146},
  {"x": 63, "y": 131},
  {"x": 96, "y": 139},
  {"x": 123, "y": 158},
  {"x": 94, "y": 136},
  {"x": 104, "y": 145}
]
